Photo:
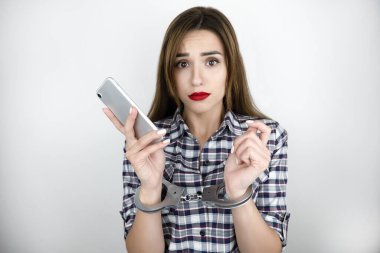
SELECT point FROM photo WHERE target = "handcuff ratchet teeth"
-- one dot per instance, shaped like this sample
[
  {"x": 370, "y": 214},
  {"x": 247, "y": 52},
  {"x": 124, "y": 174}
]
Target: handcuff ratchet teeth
[{"x": 209, "y": 196}]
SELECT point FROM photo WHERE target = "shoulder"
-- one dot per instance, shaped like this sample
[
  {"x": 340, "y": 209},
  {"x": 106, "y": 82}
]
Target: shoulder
[{"x": 164, "y": 123}]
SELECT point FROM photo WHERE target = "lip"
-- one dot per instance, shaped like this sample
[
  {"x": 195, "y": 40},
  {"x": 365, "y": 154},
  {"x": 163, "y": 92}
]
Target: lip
[{"x": 197, "y": 96}]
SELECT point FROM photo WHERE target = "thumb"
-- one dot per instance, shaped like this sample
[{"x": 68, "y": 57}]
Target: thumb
[{"x": 232, "y": 162}]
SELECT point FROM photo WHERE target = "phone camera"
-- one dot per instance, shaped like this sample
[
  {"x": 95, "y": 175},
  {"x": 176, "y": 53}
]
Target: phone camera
[{"x": 99, "y": 95}]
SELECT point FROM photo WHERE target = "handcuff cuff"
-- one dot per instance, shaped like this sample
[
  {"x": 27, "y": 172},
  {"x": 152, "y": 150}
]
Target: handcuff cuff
[{"x": 209, "y": 196}]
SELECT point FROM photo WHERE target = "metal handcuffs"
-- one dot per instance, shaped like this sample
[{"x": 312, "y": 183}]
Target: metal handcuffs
[{"x": 175, "y": 194}]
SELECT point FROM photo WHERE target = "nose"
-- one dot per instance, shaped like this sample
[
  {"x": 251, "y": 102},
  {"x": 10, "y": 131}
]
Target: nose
[{"x": 196, "y": 76}]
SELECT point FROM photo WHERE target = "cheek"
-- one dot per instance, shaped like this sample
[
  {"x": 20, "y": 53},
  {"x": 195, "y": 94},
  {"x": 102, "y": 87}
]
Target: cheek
[
  {"x": 181, "y": 80},
  {"x": 181, "y": 76},
  {"x": 221, "y": 79},
  {"x": 180, "y": 86}
]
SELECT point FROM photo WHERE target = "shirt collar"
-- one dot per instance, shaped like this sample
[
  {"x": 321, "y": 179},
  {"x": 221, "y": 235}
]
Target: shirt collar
[{"x": 230, "y": 121}]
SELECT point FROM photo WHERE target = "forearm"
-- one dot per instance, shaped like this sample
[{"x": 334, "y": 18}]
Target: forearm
[
  {"x": 146, "y": 234},
  {"x": 252, "y": 233}
]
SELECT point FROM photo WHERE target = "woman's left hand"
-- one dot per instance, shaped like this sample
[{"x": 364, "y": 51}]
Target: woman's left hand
[{"x": 248, "y": 159}]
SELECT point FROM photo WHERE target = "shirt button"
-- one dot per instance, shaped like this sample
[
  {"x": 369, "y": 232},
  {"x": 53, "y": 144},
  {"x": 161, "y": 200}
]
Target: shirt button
[
  {"x": 206, "y": 163},
  {"x": 202, "y": 233}
]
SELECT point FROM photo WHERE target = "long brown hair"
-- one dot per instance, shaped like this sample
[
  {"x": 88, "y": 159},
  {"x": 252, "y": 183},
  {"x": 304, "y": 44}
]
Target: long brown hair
[{"x": 237, "y": 96}]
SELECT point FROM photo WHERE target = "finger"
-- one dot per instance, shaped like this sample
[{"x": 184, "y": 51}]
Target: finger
[
  {"x": 129, "y": 132},
  {"x": 146, "y": 139},
  {"x": 264, "y": 129},
  {"x": 251, "y": 134},
  {"x": 256, "y": 146},
  {"x": 241, "y": 138},
  {"x": 114, "y": 120},
  {"x": 251, "y": 128},
  {"x": 249, "y": 156},
  {"x": 231, "y": 162}
]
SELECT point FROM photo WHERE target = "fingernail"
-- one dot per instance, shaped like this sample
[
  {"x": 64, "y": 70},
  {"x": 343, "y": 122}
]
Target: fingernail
[
  {"x": 130, "y": 110},
  {"x": 161, "y": 131},
  {"x": 232, "y": 149},
  {"x": 166, "y": 141},
  {"x": 249, "y": 122}
]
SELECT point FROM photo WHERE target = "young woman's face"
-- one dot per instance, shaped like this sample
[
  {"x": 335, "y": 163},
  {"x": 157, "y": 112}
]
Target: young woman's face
[{"x": 200, "y": 72}]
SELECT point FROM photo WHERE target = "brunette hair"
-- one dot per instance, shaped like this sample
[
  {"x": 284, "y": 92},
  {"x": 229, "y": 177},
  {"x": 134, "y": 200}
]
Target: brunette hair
[{"x": 237, "y": 96}]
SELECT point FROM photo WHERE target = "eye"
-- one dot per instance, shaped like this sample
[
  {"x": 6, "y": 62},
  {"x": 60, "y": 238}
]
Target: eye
[
  {"x": 212, "y": 62},
  {"x": 182, "y": 64}
]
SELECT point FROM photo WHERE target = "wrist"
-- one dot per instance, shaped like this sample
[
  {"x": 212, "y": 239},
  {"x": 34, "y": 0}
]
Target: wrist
[
  {"x": 150, "y": 196},
  {"x": 234, "y": 193}
]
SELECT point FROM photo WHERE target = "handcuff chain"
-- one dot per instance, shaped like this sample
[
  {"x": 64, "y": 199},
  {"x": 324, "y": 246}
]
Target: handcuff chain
[{"x": 191, "y": 197}]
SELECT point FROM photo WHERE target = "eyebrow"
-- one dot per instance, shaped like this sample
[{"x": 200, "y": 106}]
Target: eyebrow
[{"x": 202, "y": 54}]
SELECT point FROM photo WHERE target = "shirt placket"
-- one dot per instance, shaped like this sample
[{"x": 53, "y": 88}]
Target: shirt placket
[
  {"x": 203, "y": 164},
  {"x": 203, "y": 231}
]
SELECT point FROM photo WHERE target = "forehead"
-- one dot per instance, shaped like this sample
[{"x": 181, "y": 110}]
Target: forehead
[{"x": 200, "y": 41}]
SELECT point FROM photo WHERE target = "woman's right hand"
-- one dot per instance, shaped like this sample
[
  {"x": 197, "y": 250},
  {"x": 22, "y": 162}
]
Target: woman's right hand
[{"x": 146, "y": 157}]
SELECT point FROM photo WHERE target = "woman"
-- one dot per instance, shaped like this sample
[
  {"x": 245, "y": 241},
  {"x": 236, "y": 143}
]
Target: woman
[{"x": 213, "y": 133}]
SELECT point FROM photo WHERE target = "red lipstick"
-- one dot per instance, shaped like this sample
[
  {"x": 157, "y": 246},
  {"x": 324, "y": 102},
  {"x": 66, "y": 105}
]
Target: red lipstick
[{"x": 197, "y": 96}]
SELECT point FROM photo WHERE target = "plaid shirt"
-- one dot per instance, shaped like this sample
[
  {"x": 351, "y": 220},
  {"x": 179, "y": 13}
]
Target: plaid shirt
[{"x": 193, "y": 226}]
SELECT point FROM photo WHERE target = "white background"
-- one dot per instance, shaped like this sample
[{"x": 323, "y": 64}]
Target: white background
[{"x": 314, "y": 66}]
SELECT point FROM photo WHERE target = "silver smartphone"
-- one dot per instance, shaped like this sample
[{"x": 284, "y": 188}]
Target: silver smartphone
[{"x": 117, "y": 100}]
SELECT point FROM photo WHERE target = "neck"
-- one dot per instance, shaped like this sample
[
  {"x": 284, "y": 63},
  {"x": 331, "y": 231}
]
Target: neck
[{"x": 204, "y": 125}]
